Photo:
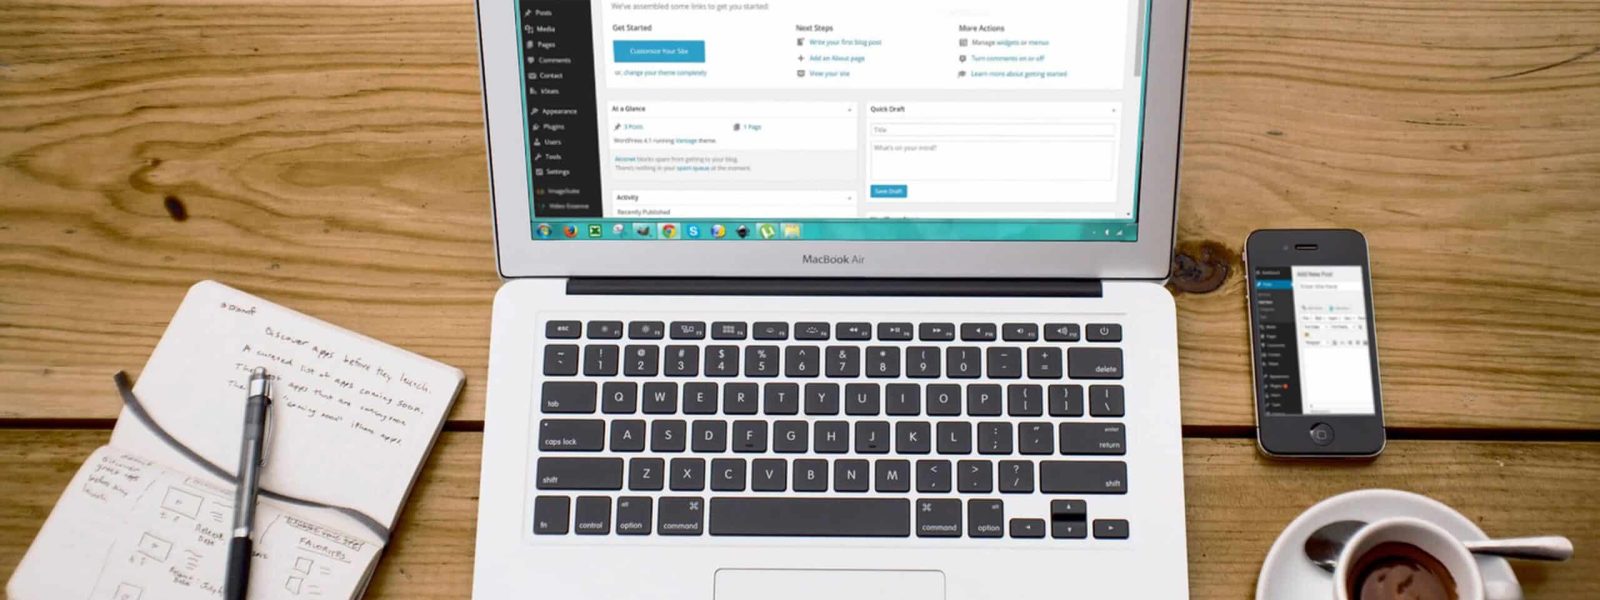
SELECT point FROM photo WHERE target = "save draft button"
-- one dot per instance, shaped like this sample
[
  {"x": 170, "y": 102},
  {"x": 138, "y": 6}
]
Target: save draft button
[
  {"x": 887, "y": 190},
  {"x": 658, "y": 51}
]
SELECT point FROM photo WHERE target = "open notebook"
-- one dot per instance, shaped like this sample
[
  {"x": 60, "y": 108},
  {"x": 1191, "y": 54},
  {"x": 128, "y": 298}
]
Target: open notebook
[{"x": 352, "y": 421}]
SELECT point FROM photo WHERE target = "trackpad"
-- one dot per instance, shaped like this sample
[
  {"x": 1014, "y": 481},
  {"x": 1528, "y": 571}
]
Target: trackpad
[{"x": 812, "y": 584}]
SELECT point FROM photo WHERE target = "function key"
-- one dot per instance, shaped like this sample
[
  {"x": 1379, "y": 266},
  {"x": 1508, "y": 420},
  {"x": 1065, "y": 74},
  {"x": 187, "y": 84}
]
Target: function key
[
  {"x": 728, "y": 330},
  {"x": 1020, "y": 332},
  {"x": 605, "y": 330},
  {"x": 810, "y": 331},
  {"x": 688, "y": 330},
  {"x": 646, "y": 330},
  {"x": 854, "y": 331},
  {"x": 1104, "y": 332},
  {"x": 977, "y": 332},
  {"x": 894, "y": 332},
  {"x": 772, "y": 330},
  {"x": 936, "y": 332},
  {"x": 562, "y": 330},
  {"x": 1061, "y": 332}
]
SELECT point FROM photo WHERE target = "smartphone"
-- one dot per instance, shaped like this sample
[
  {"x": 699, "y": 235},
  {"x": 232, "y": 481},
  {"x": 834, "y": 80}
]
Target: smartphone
[{"x": 1313, "y": 346}]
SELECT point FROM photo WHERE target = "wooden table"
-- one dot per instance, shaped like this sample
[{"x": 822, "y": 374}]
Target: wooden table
[{"x": 330, "y": 156}]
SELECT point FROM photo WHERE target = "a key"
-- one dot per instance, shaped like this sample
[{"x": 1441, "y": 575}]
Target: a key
[
  {"x": 1024, "y": 400},
  {"x": 740, "y": 398},
  {"x": 641, "y": 361},
  {"x": 592, "y": 516},
  {"x": 1044, "y": 363},
  {"x": 660, "y": 398},
  {"x": 1083, "y": 477},
  {"x": 872, "y": 437},
  {"x": 1066, "y": 400},
  {"x": 619, "y": 398},
  {"x": 680, "y": 516},
  {"x": 560, "y": 359},
  {"x": 1093, "y": 438},
  {"x": 688, "y": 330},
  {"x": 790, "y": 436},
  {"x": 955, "y": 437},
  {"x": 851, "y": 475},
  {"x": 883, "y": 362},
  {"x": 1110, "y": 529},
  {"x": 1020, "y": 332},
  {"x": 1027, "y": 528},
  {"x": 894, "y": 332},
  {"x": 686, "y": 474},
  {"x": 974, "y": 476},
  {"x": 933, "y": 476},
  {"x": 994, "y": 438},
  {"x": 802, "y": 361},
  {"x": 822, "y": 398},
  {"x": 771, "y": 330},
  {"x": 922, "y": 361},
  {"x": 750, "y": 436},
  {"x": 963, "y": 362},
  {"x": 1094, "y": 363},
  {"x": 1103, "y": 332},
  {"x": 562, "y": 330},
  {"x": 853, "y": 331},
  {"x": 668, "y": 435},
  {"x": 605, "y": 330},
  {"x": 761, "y": 361},
  {"x": 572, "y": 435},
  {"x": 832, "y": 437},
  {"x": 810, "y": 475},
  {"x": 627, "y": 435},
  {"x": 1069, "y": 519},
  {"x": 1035, "y": 438},
  {"x": 983, "y": 400},
  {"x": 727, "y": 474},
  {"x": 699, "y": 398},
  {"x": 892, "y": 476},
  {"x": 769, "y": 475},
  {"x": 902, "y": 399},
  {"x": 682, "y": 361},
  {"x": 780, "y": 399},
  {"x": 1105, "y": 401},
  {"x": 977, "y": 332},
  {"x": 843, "y": 361},
  {"x": 936, "y": 332},
  {"x": 633, "y": 515},
  {"x": 550, "y": 515},
  {"x": 861, "y": 399},
  {"x": 944, "y": 400},
  {"x": 811, "y": 517},
  {"x": 938, "y": 518},
  {"x": 567, "y": 397},
  {"x": 722, "y": 361},
  {"x": 647, "y": 474},
  {"x": 568, "y": 473},
  {"x": 728, "y": 330},
  {"x": 1016, "y": 477},
  {"x": 1005, "y": 363},
  {"x": 709, "y": 436},
  {"x": 1061, "y": 332},
  {"x": 986, "y": 518},
  {"x": 646, "y": 330},
  {"x": 912, "y": 437},
  {"x": 810, "y": 331}
]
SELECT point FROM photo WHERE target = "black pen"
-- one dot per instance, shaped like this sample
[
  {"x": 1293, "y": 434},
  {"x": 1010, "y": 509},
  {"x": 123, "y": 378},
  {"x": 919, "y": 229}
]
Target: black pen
[{"x": 251, "y": 459}]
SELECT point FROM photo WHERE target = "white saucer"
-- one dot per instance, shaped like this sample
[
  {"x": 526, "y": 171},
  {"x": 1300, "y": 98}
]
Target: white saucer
[{"x": 1287, "y": 574}]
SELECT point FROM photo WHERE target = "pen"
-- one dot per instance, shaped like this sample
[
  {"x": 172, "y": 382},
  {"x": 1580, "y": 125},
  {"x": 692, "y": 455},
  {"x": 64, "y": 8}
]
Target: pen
[{"x": 244, "y": 496}]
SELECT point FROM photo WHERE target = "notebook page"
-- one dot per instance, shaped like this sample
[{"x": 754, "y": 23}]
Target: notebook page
[
  {"x": 129, "y": 529},
  {"x": 352, "y": 418}
]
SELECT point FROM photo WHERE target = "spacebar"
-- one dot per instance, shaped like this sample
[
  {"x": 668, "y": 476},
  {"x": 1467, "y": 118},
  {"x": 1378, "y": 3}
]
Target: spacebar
[{"x": 821, "y": 517}]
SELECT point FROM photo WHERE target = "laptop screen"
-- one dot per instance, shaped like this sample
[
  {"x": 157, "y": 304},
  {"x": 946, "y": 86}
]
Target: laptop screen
[{"x": 992, "y": 120}]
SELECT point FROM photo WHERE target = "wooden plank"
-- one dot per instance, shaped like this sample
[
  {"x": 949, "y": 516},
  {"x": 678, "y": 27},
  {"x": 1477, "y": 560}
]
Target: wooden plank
[
  {"x": 1237, "y": 503},
  {"x": 329, "y": 156}
]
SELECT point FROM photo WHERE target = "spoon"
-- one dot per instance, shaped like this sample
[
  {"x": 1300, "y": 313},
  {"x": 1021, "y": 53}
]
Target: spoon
[{"x": 1326, "y": 542}]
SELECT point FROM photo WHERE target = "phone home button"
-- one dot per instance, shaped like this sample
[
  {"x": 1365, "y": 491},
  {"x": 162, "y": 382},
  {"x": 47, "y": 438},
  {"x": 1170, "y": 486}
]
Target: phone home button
[{"x": 1322, "y": 434}]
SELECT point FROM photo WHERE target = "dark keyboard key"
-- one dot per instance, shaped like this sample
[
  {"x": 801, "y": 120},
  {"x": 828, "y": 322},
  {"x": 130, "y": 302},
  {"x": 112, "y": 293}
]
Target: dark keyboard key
[
  {"x": 687, "y": 475},
  {"x": 1016, "y": 477},
  {"x": 811, "y": 331},
  {"x": 709, "y": 436},
  {"x": 944, "y": 400},
  {"x": 810, "y": 475},
  {"x": 566, "y": 473},
  {"x": 647, "y": 474},
  {"x": 1061, "y": 332},
  {"x": 802, "y": 361},
  {"x": 646, "y": 330},
  {"x": 633, "y": 515},
  {"x": 963, "y": 362},
  {"x": 1005, "y": 363},
  {"x": 790, "y": 436},
  {"x": 627, "y": 435},
  {"x": 761, "y": 361},
  {"x": 1093, "y": 438},
  {"x": 1024, "y": 400},
  {"x": 769, "y": 475},
  {"x": 994, "y": 438},
  {"x": 1019, "y": 332},
  {"x": 1083, "y": 477},
  {"x": 619, "y": 398},
  {"x": 641, "y": 361},
  {"x": 822, "y": 398},
  {"x": 1094, "y": 363},
  {"x": 780, "y": 399},
  {"x": 1103, "y": 332},
  {"x": 1106, "y": 401},
  {"x": 1066, "y": 400},
  {"x": 572, "y": 435},
  {"x": 902, "y": 399},
  {"x": 955, "y": 437},
  {"x": 978, "y": 332},
  {"x": 593, "y": 516},
  {"x": 983, "y": 400},
  {"x": 974, "y": 476},
  {"x": 936, "y": 332},
  {"x": 740, "y": 399},
  {"x": 660, "y": 398},
  {"x": 986, "y": 518},
  {"x": 605, "y": 330},
  {"x": 861, "y": 399},
  {"x": 570, "y": 397},
  {"x": 700, "y": 398},
  {"x": 550, "y": 514},
  {"x": 811, "y": 517},
  {"x": 681, "y": 361},
  {"x": 668, "y": 435},
  {"x": 933, "y": 476},
  {"x": 727, "y": 475},
  {"x": 770, "y": 330},
  {"x": 938, "y": 518},
  {"x": 1069, "y": 530},
  {"x": 872, "y": 437},
  {"x": 1069, "y": 519},
  {"x": 843, "y": 361},
  {"x": 1110, "y": 529},
  {"x": 729, "y": 330},
  {"x": 913, "y": 437},
  {"x": 853, "y": 331},
  {"x": 749, "y": 436},
  {"x": 883, "y": 361},
  {"x": 892, "y": 476},
  {"x": 1036, "y": 438},
  {"x": 681, "y": 516},
  {"x": 851, "y": 475},
  {"x": 1027, "y": 528},
  {"x": 722, "y": 361},
  {"x": 560, "y": 359},
  {"x": 1044, "y": 363},
  {"x": 562, "y": 330},
  {"x": 894, "y": 332},
  {"x": 832, "y": 437},
  {"x": 922, "y": 361},
  {"x": 688, "y": 330}
]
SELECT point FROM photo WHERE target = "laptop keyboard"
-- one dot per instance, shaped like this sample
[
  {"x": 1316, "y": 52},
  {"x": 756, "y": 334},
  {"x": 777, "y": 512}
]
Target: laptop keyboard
[{"x": 843, "y": 429}]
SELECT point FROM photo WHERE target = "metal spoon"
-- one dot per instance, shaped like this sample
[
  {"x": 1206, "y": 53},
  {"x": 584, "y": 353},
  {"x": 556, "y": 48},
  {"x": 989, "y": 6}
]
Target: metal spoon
[{"x": 1324, "y": 545}]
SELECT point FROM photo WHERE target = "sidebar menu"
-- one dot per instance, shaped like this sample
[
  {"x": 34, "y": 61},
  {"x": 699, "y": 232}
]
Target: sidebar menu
[
  {"x": 564, "y": 151},
  {"x": 1277, "y": 354}
]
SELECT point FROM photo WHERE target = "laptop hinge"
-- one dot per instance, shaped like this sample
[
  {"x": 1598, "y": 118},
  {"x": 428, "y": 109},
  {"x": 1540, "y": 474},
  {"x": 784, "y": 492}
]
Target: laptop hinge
[{"x": 682, "y": 286}]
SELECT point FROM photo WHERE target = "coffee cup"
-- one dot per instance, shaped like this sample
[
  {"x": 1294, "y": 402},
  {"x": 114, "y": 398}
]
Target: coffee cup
[{"x": 1402, "y": 558}]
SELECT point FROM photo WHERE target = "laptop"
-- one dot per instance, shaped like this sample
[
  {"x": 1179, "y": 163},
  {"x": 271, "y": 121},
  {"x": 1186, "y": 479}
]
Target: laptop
[{"x": 832, "y": 299}]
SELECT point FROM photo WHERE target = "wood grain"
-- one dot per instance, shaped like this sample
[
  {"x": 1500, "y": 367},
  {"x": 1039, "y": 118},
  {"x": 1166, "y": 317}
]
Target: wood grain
[
  {"x": 329, "y": 156},
  {"x": 1237, "y": 505}
]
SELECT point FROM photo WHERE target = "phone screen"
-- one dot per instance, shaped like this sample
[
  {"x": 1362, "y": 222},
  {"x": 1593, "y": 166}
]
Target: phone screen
[{"x": 1313, "y": 356}]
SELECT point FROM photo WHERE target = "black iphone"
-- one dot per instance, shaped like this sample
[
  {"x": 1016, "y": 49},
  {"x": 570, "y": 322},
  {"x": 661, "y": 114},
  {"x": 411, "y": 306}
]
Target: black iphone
[{"x": 1313, "y": 346}]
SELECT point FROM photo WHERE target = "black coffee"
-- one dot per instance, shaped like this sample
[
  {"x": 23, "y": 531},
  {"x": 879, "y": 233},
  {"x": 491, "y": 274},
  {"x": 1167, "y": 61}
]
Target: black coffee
[{"x": 1400, "y": 571}]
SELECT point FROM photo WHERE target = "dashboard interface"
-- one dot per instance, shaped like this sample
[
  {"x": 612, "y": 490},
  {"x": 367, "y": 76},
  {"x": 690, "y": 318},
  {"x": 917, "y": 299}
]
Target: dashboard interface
[
  {"x": 1315, "y": 356},
  {"x": 996, "y": 120}
]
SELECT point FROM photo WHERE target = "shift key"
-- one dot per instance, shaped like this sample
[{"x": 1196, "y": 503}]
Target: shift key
[
  {"x": 1083, "y": 477},
  {"x": 561, "y": 473}
]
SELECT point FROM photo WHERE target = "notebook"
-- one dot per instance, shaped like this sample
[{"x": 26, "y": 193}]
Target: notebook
[{"x": 352, "y": 421}]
